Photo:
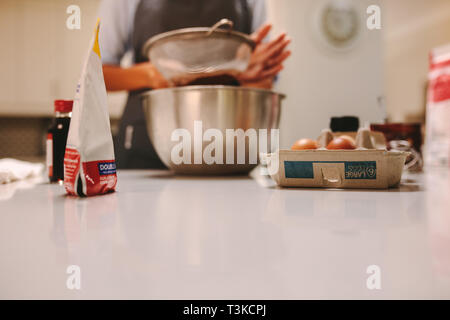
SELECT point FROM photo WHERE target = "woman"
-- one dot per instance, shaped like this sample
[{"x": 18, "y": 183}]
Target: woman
[{"x": 128, "y": 24}]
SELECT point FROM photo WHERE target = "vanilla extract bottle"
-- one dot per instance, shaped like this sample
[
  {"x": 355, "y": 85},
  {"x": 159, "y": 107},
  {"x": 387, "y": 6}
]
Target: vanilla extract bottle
[{"x": 57, "y": 139}]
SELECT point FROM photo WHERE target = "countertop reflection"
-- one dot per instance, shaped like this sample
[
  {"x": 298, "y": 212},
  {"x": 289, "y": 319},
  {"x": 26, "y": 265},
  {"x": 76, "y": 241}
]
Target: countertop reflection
[{"x": 170, "y": 237}]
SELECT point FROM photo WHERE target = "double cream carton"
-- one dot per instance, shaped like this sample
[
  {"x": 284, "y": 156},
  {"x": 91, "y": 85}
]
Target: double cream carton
[{"x": 363, "y": 168}]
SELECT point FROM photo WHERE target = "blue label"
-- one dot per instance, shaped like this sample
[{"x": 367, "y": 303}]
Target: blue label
[
  {"x": 299, "y": 169},
  {"x": 354, "y": 170},
  {"x": 106, "y": 168}
]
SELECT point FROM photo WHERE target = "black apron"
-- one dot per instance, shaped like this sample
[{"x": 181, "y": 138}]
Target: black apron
[{"x": 133, "y": 147}]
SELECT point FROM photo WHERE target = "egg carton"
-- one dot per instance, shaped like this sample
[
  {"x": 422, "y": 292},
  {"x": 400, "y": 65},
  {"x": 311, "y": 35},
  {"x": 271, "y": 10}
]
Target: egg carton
[{"x": 370, "y": 166}]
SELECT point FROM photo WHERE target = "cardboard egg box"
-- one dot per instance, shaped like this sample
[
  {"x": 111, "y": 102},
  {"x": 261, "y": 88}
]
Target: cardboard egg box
[{"x": 370, "y": 166}]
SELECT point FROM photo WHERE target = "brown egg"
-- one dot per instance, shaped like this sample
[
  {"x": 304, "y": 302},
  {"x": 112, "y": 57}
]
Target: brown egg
[
  {"x": 342, "y": 143},
  {"x": 305, "y": 144}
]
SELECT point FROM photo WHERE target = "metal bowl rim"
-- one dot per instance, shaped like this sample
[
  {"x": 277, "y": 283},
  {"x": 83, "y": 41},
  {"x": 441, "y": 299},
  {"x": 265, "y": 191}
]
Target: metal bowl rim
[
  {"x": 213, "y": 88},
  {"x": 166, "y": 36}
]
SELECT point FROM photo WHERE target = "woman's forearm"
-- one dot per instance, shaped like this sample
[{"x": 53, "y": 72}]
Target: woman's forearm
[
  {"x": 124, "y": 79},
  {"x": 139, "y": 76},
  {"x": 145, "y": 76}
]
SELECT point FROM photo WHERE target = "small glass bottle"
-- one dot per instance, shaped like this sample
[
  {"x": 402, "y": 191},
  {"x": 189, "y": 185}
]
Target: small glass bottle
[{"x": 57, "y": 139}]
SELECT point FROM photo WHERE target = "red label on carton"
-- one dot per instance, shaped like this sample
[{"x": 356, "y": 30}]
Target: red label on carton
[
  {"x": 100, "y": 177},
  {"x": 440, "y": 88},
  {"x": 71, "y": 169}
]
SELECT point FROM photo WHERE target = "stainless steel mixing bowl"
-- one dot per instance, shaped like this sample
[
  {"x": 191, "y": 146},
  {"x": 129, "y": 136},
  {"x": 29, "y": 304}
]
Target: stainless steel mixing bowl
[{"x": 217, "y": 107}]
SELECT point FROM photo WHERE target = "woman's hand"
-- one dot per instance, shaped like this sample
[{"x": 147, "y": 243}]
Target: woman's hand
[
  {"x": 154, "y": 78},
  {"x": 266, "y": 60},
  {"x": 140, "y": 76}
]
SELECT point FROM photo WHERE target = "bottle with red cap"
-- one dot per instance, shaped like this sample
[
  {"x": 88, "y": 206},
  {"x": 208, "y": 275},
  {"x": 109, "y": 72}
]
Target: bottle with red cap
[{"x": 57, "y": 138}]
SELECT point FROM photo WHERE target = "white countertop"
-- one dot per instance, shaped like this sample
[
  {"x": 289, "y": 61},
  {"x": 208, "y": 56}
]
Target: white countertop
[{"x": 226, "y": 238}]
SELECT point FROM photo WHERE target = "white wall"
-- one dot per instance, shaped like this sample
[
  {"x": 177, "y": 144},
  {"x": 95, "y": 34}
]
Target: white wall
[
  {"x": 412, "y": 28},
  {"x": 321, "y": 83},
  {"x": 40, "y": 58}
]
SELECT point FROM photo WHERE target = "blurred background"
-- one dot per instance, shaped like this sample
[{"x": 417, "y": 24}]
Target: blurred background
[{"x": 376, "y": 75}]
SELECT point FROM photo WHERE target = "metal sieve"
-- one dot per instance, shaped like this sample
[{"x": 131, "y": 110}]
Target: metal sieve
[{"x": 199, "y": 52}]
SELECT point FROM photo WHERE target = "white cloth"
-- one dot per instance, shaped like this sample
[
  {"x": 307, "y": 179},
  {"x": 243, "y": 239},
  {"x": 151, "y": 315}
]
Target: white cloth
[
  {"x": 12, "y": 170},
  {"x": 117, "y": 18}
]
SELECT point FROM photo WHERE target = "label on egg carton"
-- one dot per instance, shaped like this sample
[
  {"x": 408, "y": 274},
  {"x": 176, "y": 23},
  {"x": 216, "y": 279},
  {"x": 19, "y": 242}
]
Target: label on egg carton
[{"x": 371, "y": 169}]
